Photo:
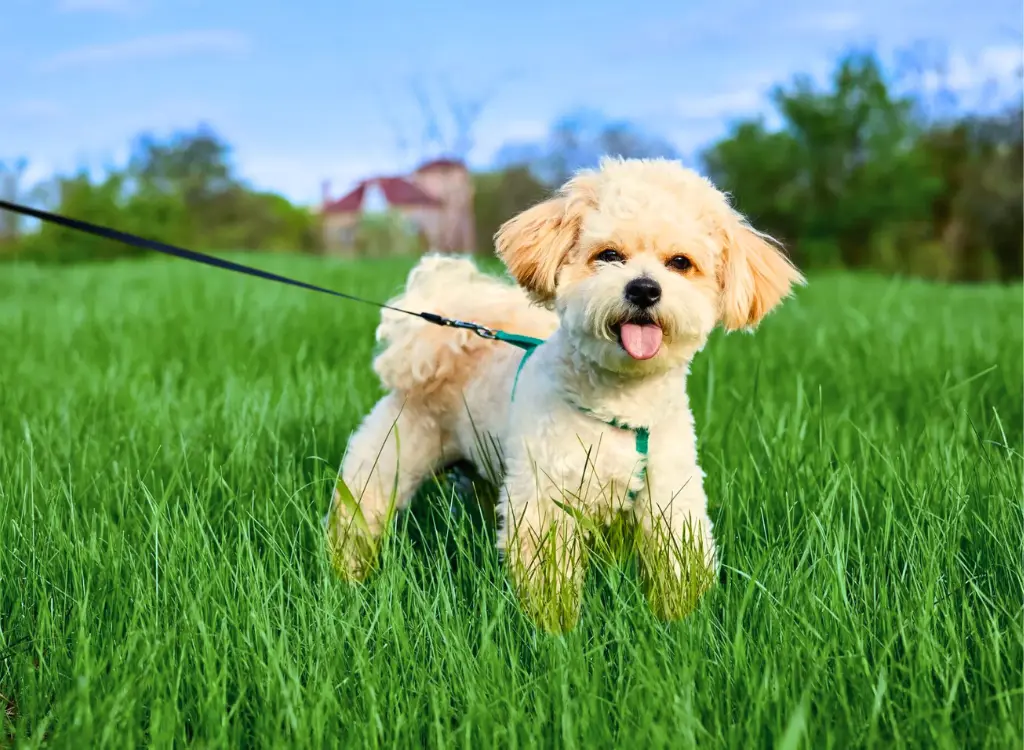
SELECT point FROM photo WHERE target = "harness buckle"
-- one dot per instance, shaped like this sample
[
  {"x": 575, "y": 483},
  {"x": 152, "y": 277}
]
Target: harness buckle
[
  {"x": 481, "y": 331},
  {"x": 485, "y": 333}
]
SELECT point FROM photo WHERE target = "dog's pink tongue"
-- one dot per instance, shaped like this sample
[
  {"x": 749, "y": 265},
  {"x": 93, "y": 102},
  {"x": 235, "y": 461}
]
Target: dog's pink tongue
[{"x": 640, "y": 341}]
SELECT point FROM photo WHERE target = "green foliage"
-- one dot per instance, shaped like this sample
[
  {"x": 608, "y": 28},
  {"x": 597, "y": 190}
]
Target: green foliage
[
  {"x": 855, "y": 177},
  {"x": 12, "y": 174},
  {"x": 980, "y": 161},
  {"x": 169, "y": 442},
  {"x": 498, "y": 196},
  {"x": 160, "y": 216},
  {"x": 181, "y": 191},
  {"x": 388, "y": 234}
]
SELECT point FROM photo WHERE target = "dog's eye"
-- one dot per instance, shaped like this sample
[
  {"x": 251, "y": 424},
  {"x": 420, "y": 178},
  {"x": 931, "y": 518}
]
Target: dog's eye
[
  {"x": 609, "y": 256},
  {"x": 680, "y": 263}
]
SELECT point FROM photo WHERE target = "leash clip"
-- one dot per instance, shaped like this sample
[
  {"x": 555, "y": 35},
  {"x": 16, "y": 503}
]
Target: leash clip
[{"x": 482, "y": 331}]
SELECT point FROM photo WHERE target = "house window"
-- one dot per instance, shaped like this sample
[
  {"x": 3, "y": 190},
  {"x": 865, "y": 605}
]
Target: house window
[
  {"x": 346, "y": 235},
  {"x": 412, "y": 225}
]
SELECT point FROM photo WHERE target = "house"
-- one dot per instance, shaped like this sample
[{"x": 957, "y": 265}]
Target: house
[{"x": 435, "y": 201}]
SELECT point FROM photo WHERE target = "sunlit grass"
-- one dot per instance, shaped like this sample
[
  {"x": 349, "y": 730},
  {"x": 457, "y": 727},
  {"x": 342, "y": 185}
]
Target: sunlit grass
[{"x": 169, "y": 440}]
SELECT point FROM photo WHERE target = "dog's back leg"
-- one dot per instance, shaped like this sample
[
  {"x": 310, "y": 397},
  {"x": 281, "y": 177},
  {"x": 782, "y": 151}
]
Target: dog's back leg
[{"x": 393, "y": 451}]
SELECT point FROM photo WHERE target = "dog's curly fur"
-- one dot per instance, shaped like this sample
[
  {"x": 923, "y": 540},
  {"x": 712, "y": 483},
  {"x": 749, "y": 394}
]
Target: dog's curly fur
[{"x": 562, "y": 463}]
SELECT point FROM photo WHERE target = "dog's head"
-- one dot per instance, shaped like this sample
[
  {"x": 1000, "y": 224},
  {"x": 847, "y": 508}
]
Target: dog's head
[{"x": 642, "y": 259}]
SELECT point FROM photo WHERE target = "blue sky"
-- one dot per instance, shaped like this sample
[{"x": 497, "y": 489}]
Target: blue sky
[{"x": 323, "y": 89}]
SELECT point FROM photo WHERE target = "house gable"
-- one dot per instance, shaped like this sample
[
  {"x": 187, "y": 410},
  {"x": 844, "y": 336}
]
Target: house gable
[{"x": 374, "y": 199}]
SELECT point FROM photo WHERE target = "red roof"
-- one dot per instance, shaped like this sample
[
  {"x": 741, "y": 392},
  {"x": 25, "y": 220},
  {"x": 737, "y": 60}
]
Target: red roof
[
  {"x": 441, "y": 164},
  {"x": 398, "y": 191}
]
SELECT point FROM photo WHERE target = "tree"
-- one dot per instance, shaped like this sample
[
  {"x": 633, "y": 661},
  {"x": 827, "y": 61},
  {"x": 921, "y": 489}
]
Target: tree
[
  {"x": 843, "y": 176},
  {"x": 980, "y": 212},
  {"x": 976, "y": 149},
  {"x": 193, "y": 166},
  {"x": 80, "y": 197},
  {"x": 14, "y": 190},
  {"x": 10, "y": 190},
  {"x": 759, "y": 168},
  {"x": 501, "y": 194},
  {"x": 578, "y": 140},
  {"x": 180, "y": 190}
]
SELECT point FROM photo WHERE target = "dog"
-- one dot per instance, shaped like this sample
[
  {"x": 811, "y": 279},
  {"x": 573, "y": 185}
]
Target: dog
[{"x": 623, "y": 273}]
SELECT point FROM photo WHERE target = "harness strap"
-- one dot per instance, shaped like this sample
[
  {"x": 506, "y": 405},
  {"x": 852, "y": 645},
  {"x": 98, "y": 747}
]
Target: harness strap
[
  {"x": 527, "y": 344},
  {"x": 642, "y": 435}
]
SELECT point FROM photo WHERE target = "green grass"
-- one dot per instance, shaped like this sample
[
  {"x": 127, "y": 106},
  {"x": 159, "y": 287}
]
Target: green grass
[{"x": 169, "y": 437}]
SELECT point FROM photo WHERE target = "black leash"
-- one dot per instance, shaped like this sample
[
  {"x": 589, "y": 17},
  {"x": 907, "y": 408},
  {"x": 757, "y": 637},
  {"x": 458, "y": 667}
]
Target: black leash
[{"x": 179, "y": 252}]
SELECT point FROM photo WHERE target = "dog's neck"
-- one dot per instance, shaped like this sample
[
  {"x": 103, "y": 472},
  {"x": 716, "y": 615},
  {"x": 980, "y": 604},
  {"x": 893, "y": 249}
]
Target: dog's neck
[{"x": 638, "y": 401}]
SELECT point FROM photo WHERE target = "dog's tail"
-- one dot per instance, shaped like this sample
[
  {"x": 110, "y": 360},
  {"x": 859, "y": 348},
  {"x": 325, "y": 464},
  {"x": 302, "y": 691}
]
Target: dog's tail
[{"x": 430, "y": 363}]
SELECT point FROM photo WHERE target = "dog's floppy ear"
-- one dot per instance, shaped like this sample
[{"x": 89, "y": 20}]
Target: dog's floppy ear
[
  {"x": 535, "y": 243},
  {"x": 755, "y": 277}
]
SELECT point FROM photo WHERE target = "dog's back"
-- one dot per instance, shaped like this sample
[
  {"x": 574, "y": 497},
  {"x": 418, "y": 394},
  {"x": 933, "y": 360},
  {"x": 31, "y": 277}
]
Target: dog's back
[{"x": 430, "y": 364}]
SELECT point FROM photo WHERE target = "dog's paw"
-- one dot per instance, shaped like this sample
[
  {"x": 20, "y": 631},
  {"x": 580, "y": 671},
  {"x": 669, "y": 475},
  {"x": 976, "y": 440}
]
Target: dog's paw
[
  {"x": 553, "y": 609},
  {"x": 548, "y": 580},
  {"x": 674, "y": 578},
  {"x": 352, "y": 554},
  {"x": 351, "y": 563}
]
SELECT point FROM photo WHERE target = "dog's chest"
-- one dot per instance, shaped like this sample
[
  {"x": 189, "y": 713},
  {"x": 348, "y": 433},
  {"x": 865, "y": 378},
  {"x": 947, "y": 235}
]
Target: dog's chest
[
  {"x": 602, "y": 466},
  {"x": 590, "y": 456}
]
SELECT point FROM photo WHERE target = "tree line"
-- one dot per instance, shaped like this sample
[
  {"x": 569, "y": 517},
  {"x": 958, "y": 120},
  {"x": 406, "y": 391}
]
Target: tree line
[
  {"x": 859, "y": 173},
  {"x": 182, "y": 190}
]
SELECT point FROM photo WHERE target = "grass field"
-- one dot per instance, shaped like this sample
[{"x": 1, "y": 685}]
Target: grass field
[{"x": 169, "y": 436}]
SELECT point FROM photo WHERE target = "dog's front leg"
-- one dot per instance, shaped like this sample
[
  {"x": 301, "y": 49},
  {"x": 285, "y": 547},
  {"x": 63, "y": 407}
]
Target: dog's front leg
[
  {"x": 675, "y": 542},
  {"x": 544, "y": 552}
]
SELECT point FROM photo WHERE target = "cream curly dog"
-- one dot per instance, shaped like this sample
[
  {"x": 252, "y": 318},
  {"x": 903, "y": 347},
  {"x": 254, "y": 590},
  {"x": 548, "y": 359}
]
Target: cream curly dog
[{"x": 624, "y": 273}]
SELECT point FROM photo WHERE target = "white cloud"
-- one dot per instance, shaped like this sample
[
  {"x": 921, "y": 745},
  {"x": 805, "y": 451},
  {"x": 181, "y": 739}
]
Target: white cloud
[
  {"x": 152, "y": 47},
  {"x": 998, "y": 65},
  {"x": 99, "y": 6}
]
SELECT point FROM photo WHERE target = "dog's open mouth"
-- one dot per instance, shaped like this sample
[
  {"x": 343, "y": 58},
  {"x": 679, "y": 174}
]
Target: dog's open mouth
[{"x": 640, "y": 336}]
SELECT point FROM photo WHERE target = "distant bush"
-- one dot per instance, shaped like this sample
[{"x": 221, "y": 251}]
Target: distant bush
[
  {"x": 388, "y": 234},
  {"x": 500, "y": 195},
  {"x": 183, "y": 192},
  {"x": 858, "y": 176}
]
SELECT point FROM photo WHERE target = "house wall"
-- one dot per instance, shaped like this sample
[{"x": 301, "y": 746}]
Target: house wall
[
  {"x": 339, "y": 233},
  {"x": 339, "y": 229},
  {"x": 450, "y": 227},
  {"x": 429, "y": 219},
  {"x": 453, "y": 185}
]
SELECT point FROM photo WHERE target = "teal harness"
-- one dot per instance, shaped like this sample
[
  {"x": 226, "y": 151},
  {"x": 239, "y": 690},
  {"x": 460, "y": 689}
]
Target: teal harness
[{"x": 642, "y": 434}]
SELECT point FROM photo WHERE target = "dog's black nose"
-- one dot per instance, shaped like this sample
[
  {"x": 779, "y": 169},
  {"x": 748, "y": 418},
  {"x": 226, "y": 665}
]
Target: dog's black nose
[{"x": 643, "y": 292}]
